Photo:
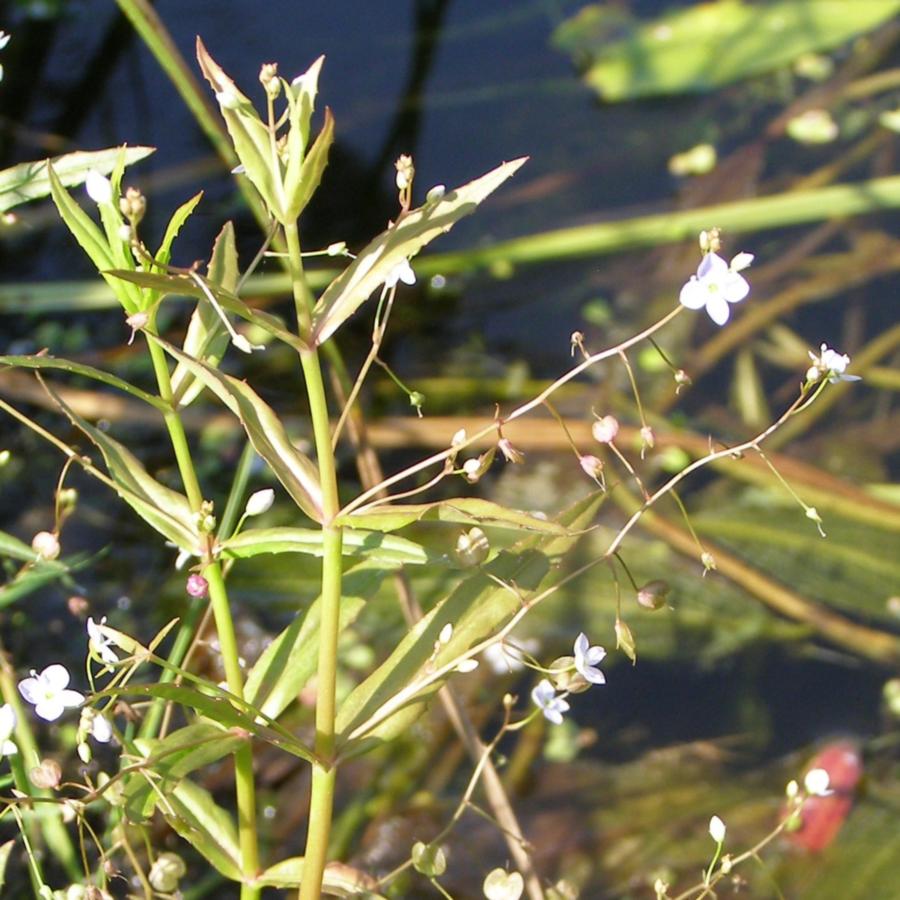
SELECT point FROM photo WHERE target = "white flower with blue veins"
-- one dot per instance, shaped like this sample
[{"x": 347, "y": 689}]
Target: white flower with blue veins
[
  {"x": 553, "y": 707},
  {"x": 587, "y": 658},
  {"x": 717, "y": 284},
  {"x": 48, "y": 692}
]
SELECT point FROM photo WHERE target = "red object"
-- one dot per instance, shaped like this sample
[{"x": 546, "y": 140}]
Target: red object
[{"x": 822, "y": 817}]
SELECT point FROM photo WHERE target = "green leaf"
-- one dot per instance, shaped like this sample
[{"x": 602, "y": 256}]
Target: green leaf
[
  {"x": 377, "y": 547},
  {"x": 92, "y": 241},
  {"x": 217, "y": 705},
  {"x": 52, "y": 362},
  {"x": 301, "y": 97},
  {"x": 206, "y": 336},
  {"x": 477, "y": 608},
  {"x": 463, "y": 510},
  {"x": 179, "y": 217},
  {"x": 288, "y": 663},
  {"x": 311, "y": 171},
  {"x": 31, "y": 180},
  {"x": 706, "y": 45},
  {"x": 340, "y": 880},
  {"x": 159, "y": 506},
  {"x": 294, "y": 470},
  {"x": 171, "y": 759},
  {"x": 376, "y": 261},
  {"x": 5, "y": 850},
  {"x": 183, "y": 286},
  {"x": 250, "y": 137},
  {"x": 208, "y": 828}
]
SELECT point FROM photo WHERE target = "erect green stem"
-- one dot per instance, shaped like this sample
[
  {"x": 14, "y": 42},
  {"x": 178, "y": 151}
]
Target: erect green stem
[
  {"x": 243, "y": 759},
  {"x": 323, "y": 777}
]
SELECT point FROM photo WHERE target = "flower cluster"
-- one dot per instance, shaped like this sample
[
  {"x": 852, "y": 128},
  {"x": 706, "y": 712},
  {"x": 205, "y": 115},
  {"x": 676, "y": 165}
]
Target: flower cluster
[
  {"x": 550, "y": 699},
  {"x": 829, "y": 364}
]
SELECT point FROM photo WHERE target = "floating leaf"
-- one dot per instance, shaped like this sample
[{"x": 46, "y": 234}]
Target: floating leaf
[
  {"x": 31, "y": 180},
  {"x": 376, "y": 261},
  {"x": 706, "y": 45},
  {"x": 374, "y": 546},
  {"x": 294, "y": 470},
  {"x": 463, "y": 510}
]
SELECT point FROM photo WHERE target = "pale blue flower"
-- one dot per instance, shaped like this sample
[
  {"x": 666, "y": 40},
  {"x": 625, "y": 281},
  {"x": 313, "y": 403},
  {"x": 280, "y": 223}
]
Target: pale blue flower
[
  {"x": 48, "y": 692},
  {"x": 715, "y": 285},
  {"x": 553, "y": 707},
  {"x": 829, "y": 364},
  {"x": 587, "y": 658}
]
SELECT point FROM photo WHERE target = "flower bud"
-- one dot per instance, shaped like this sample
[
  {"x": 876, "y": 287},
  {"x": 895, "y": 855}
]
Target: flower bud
[
  {"x": 653, "y": 594},
  {"x": 445, "y": 634},
  {"x": 510, "y": 453},
  {"x": 206, "y": 521},
  {"x": 67, "y": 500},
  {"x": 46, "y": 545},
  {"x": 467, "y": 665},
  {"x": 648, "y": 441},
  {"x": 435, "y": 194},
  {"x": 405, "y": 172},
  {"x": 99, "y": 188},
  {"x": 891, "y": 694},
  {"x": 592, "y": 467},
  {"x": 605, "y": 430},
  {"x": 5, "y": 457},
  {"x": 337, "y": 249},
  {"x": 472, "y": 547},
  {"x": 708, "y": 560},
  {"x": 710, "y": 241},
  {"x": 625, "y": 641},
  {"x": 682, "y": 379},
  {"x": 197, "y": 586},
  {"x": 429, "y": 859},
  {"x": 133, "y": 206},
  {"x": 417, "y": 401},
  {"x": 268, "y": 78},
  {"x": 717, "y": 829},
  {"x": 166, "y": 871},
  {"x": 260, "y": 502}
]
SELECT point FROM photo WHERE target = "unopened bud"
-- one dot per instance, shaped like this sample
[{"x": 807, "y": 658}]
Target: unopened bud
[
  {"x": 133, "y": 205},
  {"x": 227, "y": 99},
  {"x": 605, "y": 430},
  {"x": 510, "y": 453},
  {"x": 337, "y": 249},
  {"x": 165, "y": 873},
  {"x": 405, "y": 172},
  {"x": 84, "y": 752},
  {"x": 708, "y": 560},
  {"x": 5, "y": 457},
  {"x": 592, "y": 467},
  {"x": 67, "y": 499},
  {"x": 653, "y": 594},
  {"x": 45, "y": 544},
  {"x": 625, "y": 641},
  {"x": 417, "y": 401},
  {"x": 136, "y": 321},
  {"x": 268, "y": 77},
  {"x": 467, "y": 665},
  {"x": 435, "y": 194},
  {"x": 710, "y": 241},
  {"x": 648, "y": 441},
  {"x": 260, "y": 502},
  {"x": 445, "y": 634},
  {"x": 682, "y": 379},
  {"x": 206, "y": 521},
  {"x": 472, "y": 547},
  {"x": 562, "y": 673},
  {"x": 891, "y": 694},
  {"x": 197, "y": 586}
]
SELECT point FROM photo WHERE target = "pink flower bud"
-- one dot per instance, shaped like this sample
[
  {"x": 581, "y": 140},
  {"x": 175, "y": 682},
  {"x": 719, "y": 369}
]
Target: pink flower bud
[
  {"x": 197, "y": 586},
  {"x": 605, "y": 430}
]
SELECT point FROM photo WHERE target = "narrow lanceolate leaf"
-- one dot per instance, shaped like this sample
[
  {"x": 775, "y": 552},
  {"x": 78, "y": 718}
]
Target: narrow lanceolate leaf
[
  {"x": 31, "y": 180},
  {"x": 172, "y": 759},
  {"x": 252, "y": 141},
  {"x": 393, "y": 696},
  {"x": 207, "y": 338},
  {"x": 183, "y": 286},
  {"x": 296, "y": 471},
  {"x": 373, "y": 265},
  {"x": 92, "y": 240},
  {"x": 287, "y": 664},
  {"x": 301, "y": 97},
  {"x": 179, "y": 217},
  {"x": 462, "y": 510},
  {"x": 382, "y": 549},
  {"x": 159, "y": 506},
  {"x": 309, "y": 175},
  {"x": 208, "y": 828},
  {"x": 66, "y": 365}
]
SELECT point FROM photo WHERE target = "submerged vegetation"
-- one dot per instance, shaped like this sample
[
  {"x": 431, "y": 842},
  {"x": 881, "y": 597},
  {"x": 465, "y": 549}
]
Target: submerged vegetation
[{"x": 336, "y": 613}]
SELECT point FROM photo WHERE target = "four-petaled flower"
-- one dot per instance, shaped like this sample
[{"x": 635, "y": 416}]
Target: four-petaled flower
[
  {"x": 99, "y": 643},
  {"x": 587, "y": 658},
  {"x": 717, "y": 284},
  {"x": 7, "y": 726},
  {"x": 403, "y": 271},
  {"x": 48, "y": 692},
  {"x": 829, "y": 364},
  {"x": 553, "y": 707}
]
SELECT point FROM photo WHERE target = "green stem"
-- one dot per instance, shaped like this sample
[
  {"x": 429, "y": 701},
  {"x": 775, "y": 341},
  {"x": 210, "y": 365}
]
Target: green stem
[
  {"x": 243, "y": 759},
  {"x": 321, "y": 803}
]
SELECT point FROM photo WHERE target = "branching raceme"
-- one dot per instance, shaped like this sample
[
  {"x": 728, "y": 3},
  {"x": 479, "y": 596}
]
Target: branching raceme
[{"x": 134, "y": 709}]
